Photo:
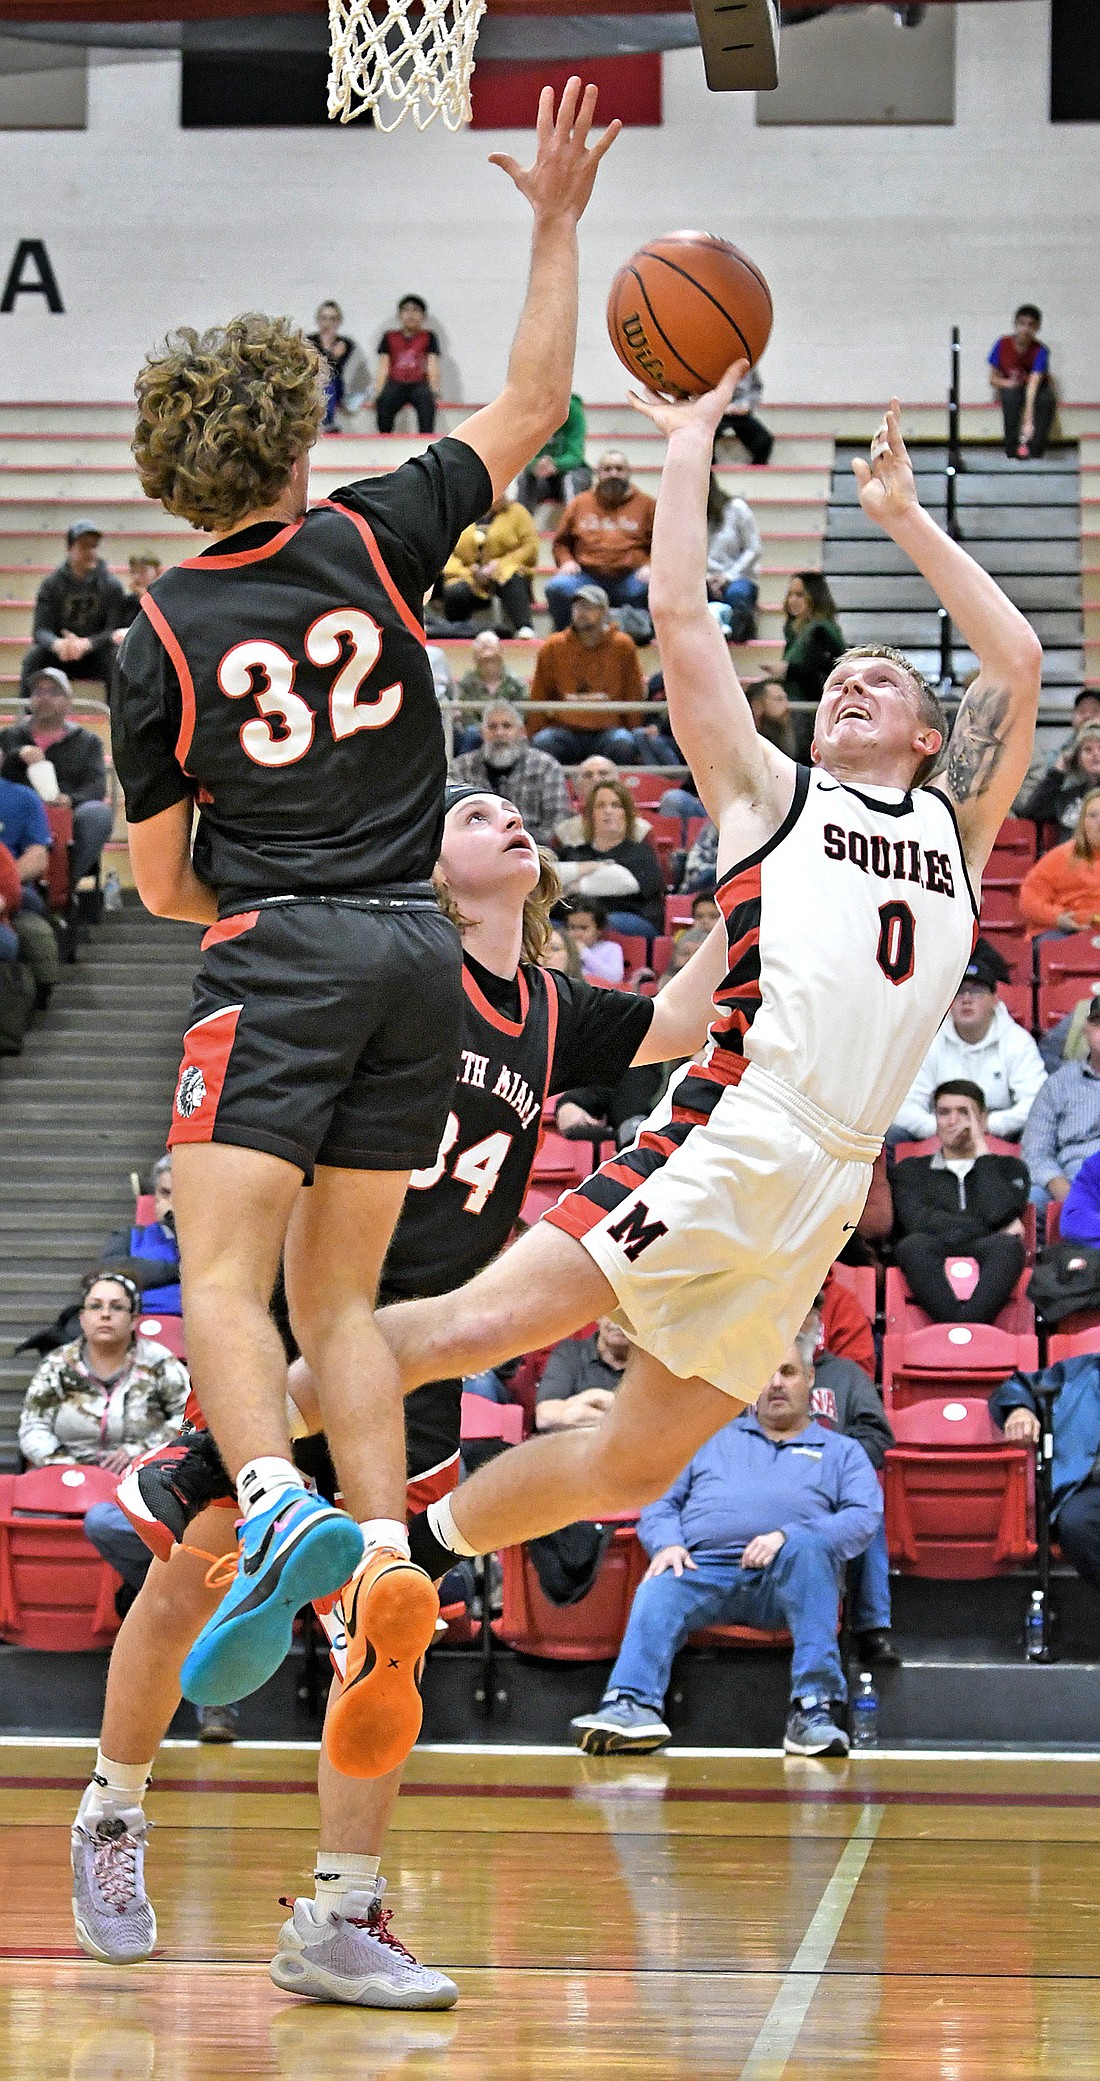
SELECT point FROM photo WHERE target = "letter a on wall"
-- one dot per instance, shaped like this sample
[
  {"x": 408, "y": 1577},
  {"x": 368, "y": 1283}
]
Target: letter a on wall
[{"x": 31, "y": 274}]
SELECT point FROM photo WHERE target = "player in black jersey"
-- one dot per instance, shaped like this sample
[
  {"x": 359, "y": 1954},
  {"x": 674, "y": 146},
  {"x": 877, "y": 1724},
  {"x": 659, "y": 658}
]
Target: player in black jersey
[
  {"x": 525, "y": 1032},
  {"x": 279, "y": 682}
]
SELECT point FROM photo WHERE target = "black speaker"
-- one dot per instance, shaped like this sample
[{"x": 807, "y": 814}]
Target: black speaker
[{"x": 1074, "y": 62}]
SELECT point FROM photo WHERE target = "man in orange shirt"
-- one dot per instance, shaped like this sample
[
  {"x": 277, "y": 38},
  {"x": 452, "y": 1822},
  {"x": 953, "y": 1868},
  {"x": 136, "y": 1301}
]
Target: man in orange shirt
[
  {"x": 594, "y": 658},
  {"x": 604, "y": 535}
]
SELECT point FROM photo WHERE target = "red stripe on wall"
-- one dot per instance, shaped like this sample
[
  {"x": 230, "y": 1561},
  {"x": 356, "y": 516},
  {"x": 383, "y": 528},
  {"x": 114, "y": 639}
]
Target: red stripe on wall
[{"x": 506, "y": 96}]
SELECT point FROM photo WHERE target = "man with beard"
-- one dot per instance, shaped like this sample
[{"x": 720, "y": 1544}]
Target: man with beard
[
  {"x": 535, "y": 782},
  {"x": 604, "y": 534}
]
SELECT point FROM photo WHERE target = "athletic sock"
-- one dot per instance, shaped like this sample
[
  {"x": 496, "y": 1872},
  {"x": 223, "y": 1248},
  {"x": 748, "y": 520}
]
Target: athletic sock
[
  {"x": 441, "y": 1520},
  {"x": 384, "y": 1531},
  {"x": 429, "y": 1548},
  {"x": 338, "y": 1872},
  {"x": 261, "y": 1480},
  {"x": 113, "y": 1785}
]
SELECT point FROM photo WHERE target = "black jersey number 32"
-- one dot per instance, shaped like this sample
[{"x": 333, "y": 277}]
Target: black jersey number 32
[{"x": 267, "y": 672}]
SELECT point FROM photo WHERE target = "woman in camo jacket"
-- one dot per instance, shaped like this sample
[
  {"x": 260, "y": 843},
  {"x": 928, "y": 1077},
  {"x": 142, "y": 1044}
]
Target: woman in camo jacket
[{"x": 110, "y": 1394}]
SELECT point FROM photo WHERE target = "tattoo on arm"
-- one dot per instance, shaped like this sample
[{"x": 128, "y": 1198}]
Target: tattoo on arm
[{"x": 978, "y": 741}]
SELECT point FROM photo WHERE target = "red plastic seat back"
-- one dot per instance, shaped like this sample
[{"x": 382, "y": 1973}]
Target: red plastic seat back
[
  {"x": 590, "y": 1630},
  {"x": 55, "y": 1591},
  {"x": 484, "y": 1419},
  {"x": 947, "y": 1426},
  {"x": 145, "y": 1209},
  {"x": 957, "y": 1515},
  {"x": 166, "y": 1330},
  {"x": 1078, "y": 954}
]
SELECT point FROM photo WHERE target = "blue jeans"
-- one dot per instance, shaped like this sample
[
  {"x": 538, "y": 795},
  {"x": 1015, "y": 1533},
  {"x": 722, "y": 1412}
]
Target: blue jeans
[
  {"x": 109, "y": 1530},
  {"x": 798, "y": 1590},
  {"x": 627, "y": 591},
  {"x": 871, "y": 1587},
  {"x": 569, "y": 747},
  {"x": 9, "y": 945},
  {"x": 92, "y": 823},
  {"x": 680, "y": 802},
  {"x": 631, "y": 925},
  {"x": 740, "y": 597}
]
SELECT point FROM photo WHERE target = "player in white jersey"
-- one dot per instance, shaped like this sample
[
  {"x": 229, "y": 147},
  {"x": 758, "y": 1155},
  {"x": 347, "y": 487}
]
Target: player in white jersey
[{"x": 847, "y": 890}]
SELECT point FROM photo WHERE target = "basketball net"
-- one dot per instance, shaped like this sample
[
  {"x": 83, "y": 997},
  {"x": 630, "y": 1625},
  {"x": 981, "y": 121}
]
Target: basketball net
[{"x": 395, "y": 58}]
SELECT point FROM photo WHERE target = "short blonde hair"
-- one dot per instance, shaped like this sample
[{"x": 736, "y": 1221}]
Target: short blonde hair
[
  {"x": 223, "y": 417},
  {"x": 536, "y": 908}
]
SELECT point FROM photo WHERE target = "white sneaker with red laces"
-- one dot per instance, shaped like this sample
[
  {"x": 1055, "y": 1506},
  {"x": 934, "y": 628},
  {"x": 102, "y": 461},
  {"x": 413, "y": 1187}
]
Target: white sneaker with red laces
[{"x": 350, "y": 1954}]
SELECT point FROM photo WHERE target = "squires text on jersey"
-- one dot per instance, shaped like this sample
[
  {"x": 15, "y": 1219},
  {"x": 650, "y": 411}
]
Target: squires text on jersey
[{"x": 891, "y": 859}]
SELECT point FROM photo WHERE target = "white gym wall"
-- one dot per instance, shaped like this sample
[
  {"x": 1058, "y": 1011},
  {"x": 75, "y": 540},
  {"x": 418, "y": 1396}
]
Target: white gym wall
[{"x": 874, "y": 240}]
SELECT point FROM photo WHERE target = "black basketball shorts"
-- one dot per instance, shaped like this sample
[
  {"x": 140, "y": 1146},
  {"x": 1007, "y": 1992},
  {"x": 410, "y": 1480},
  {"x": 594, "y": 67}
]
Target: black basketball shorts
[{"x": 325, "y": 1031}]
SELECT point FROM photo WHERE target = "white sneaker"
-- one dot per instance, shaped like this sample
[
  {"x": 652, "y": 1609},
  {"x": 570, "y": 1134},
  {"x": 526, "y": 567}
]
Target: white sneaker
[
  {"x": 349, "y": 1954},
  {"x": 525, "y": 634},
  {"x": 114, "y": 1918}
]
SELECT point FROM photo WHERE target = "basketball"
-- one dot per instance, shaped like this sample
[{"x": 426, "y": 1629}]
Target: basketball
[{"x": 683, "y": 308}]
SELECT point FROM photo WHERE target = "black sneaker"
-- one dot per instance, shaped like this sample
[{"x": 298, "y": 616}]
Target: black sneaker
[
  {"x": 877, "y": 1646},
  {"x": 165, "y": 1489}
]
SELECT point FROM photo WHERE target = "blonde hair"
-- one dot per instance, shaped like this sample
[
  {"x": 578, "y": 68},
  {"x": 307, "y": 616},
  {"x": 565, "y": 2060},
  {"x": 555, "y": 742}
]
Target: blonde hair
[
  {"x": 536, "y": 908},
  {"x": 1081, "y": 846},
  {"x": 929, "y": 706},
  {"x": 223, "y": 417}
]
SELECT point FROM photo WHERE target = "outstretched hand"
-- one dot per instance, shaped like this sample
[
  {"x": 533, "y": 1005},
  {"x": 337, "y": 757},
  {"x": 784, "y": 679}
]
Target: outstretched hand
[
  {"x": 887, "y": 488},
  {"x": 560, "y": 181},
  {"x": 706, "y": 411}
]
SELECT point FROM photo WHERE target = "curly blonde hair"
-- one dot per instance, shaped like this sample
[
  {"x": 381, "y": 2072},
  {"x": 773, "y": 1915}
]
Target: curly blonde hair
[
  {"x": 536, "y": 908},
  {"x": 223, "y": 417}
]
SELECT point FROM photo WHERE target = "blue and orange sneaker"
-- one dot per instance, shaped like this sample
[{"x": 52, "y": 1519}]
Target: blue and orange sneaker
[{"x": 297, "y": 1549}]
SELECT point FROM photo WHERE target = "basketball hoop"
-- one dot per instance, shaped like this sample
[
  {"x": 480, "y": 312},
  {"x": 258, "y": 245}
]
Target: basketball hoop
[{"x": 414, "y": 55}]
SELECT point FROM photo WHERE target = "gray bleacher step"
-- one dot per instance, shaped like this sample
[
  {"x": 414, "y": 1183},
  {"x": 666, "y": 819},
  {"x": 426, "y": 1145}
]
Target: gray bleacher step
[
  {"x": 978, "y": 488},
  {"x": 976, "y": 523},
  {"x": 888, "y": 624},
  {"x": 1033, "y": 595},
  {"x": 983, "y": 456},
  {"x": 66, "y": 1228},
  {"x": 147, "y": 1028},
  {"x": 877, "y": 554}
]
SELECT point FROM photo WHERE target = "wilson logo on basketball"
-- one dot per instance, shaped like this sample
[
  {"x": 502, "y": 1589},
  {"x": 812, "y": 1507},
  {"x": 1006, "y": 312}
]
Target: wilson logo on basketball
[
  {"x": 191, "y": 1092},
  {"x": 635, "y": 334}
]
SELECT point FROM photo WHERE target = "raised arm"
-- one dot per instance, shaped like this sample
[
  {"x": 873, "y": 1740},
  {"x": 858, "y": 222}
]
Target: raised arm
[
  {"x": 535, "y": 397},
  {"x": 710, "y": 717},
  {"x": 991, "y": 744}
]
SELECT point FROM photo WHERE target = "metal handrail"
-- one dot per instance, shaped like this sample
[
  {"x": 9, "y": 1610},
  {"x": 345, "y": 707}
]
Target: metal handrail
[{"x": 953, "y": 466}]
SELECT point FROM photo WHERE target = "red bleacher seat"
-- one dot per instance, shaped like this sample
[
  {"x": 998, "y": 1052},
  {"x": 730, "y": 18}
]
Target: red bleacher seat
[
  {"x": 558, "y": 1159},
  {"x": 1078, "y": 954},
  {"x": 635, "y": 949},
  {"x": 647, "y": 790},
  {"x": 590, "y": 1630},
  {"x": 164, "y": 1329},
  {"x": 1017, "y": 999},
  {"x": 1064, "y": 995},
  {"x": 738, "y": 1636},
  {"x": 484, "y": 1419},
  {"x": 1015, "y": 947},
  {"x": 58, "y": 873},
  {"x": 937, "y": 1360},
  {"x": 1073, "y": 1344},
  {"x": 661, "y": 954},
  {"x": 677, "y": 912},
  {"x": 1017, "y": 837},
  {"x": 862, "y": 1280},
  {"x": 1000, "y": 906},
  {"x": 55, "y": 1591},
  {"x": 145, "y": 1209},
  {"x": 956, "y": 1494}
]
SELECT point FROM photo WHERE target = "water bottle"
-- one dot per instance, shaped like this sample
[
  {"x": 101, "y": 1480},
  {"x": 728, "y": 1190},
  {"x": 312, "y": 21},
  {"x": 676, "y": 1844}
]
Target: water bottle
[
  {"x": 112, "y": 892},
  {"x": 865, "y": 1713},
  {"x": 1033, "y": 1628}
]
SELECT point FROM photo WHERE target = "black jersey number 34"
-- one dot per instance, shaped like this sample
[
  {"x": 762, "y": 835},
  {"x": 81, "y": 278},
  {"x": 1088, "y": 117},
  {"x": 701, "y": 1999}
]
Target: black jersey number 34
[{"x": 267, "y": 672}]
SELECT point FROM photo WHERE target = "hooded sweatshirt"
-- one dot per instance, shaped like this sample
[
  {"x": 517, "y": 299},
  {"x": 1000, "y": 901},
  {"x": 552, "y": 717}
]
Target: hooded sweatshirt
[{"x": 1006, "y": 1066}]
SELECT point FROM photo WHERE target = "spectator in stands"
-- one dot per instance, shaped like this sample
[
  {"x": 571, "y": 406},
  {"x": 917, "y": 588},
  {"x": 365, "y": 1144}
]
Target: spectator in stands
[
  {"x": 603, "y": 536},
  {"x": 144, "y": 567},
  {"x": 771, "y": 712},
  {"x": 1060, "y": 894},
  {"x": 846, "y": 1328},
  {"x": 756, "y": 1531},
  {"x": 11, "y": 896},
  {"x": 343, "y": 364},
  {"x": 149, "y": 1253},
  {"x": 1071, "y": 775},
  {"x": 812, "y": 640},
  {"x": 79, "y": 613},
  {"x": 602, "y": 959},
  {"x": 1075, "y": 1479},
  {"x": 581, "y": 1378},
  {"x": 558, "y": 471},
  {"x": 591, "y": 658},
  {"x": 596, "y": 1111},
  {"x": 733, "y": 560},
  {"x": 701, "y": 865},
  {"x": 741, "y": 420},
  {"x": 560, "y": 953},
  {"x": 588, "y": 776},
  {"x": 506, "y": 764},
  {"x": 704, "y": 910},
  {"x": 844, "y": 1398},
  {"x": 25, "y": 830},
  {"x": 963, "y": 1201},
  {"x": 1019, "y": 374},
  {"x": 1086, "y": 709},
  {"x": 76, "y": 757},
  {"x": 494, "y": 560},
  {"x": 487, "y": 677},
  {"x": 979, "y": 1040},
  {"x": 1067, "y": 1040},
  {"x": 1063, "y": 1126},
  {"x": 613, "y": 861},
  {"x": 110, "y": 1394},
  {"x": 1079, "y": 1221},
  {"x": 408, "y": 368}
]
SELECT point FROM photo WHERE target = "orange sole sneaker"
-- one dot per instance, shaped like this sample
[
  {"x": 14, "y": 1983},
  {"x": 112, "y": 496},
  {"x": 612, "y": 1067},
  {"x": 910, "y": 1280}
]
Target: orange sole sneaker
[{"x": 391, "y": 1608}]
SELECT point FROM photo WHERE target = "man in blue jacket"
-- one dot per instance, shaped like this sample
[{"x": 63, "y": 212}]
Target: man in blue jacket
[
  {"x": 1075, "y": 1467},
  {"x": 756, "y": 1531}
]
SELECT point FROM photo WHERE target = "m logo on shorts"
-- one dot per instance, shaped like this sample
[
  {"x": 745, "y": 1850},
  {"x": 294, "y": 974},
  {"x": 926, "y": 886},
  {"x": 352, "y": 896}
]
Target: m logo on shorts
[
  {"x": 191, "y": 1092},
  {"x": 636, "y": 1231}
]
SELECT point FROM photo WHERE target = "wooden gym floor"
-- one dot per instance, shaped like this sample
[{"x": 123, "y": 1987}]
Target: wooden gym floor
[{"x": 669, "y": 1919}]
